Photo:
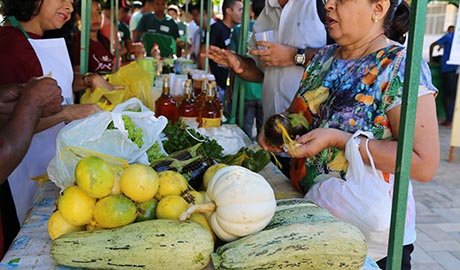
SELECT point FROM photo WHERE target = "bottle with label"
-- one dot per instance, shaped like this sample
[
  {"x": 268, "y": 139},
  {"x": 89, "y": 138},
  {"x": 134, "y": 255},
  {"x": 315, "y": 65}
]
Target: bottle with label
[
  {"x": 210, "y": 115},
  {"x": 188, "y": 109},
  {"x": 166, "y": 105},
  {"x": 156, "y": 55},
  {"x": 202, "y": 95},
  {"x": 155, "y": 52}
]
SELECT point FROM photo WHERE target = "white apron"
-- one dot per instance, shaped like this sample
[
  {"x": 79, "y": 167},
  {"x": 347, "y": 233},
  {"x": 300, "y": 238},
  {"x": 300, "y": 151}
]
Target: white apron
[{"x": 55, "y": 61}]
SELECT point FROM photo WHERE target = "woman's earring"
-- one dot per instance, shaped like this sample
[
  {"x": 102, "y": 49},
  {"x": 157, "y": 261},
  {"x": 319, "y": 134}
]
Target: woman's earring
[{"x": 374, "y": 18}]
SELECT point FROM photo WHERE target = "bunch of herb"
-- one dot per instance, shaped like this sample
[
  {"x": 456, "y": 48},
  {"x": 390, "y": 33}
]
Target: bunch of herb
[{"x": 181, "y": 136}]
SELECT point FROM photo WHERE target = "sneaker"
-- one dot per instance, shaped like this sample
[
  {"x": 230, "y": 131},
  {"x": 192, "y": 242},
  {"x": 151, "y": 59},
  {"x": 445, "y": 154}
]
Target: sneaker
[{"x": 446, "y": 124}]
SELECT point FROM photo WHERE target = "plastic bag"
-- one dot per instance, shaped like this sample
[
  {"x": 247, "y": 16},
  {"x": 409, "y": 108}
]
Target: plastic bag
[
  {"x": 91, "y": 133},
  {"x": 106, "y": 99},
  {"x": 364, "y": 199},
  {"x": 137, "y": 82}
]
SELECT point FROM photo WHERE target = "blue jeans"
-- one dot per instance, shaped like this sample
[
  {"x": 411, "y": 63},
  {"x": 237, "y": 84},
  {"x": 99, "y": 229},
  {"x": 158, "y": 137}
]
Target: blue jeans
[{"x": 253, "y": 110}]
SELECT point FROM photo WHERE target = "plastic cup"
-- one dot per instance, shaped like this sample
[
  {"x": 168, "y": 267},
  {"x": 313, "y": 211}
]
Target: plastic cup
[{"x": 265, "y": 36}]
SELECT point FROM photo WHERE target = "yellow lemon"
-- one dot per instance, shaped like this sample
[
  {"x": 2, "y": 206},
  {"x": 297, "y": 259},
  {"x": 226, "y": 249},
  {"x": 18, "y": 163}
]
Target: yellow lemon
[
  {"x": 75, "y": 206},
  {"x": 58, "y": 226},
  {"x": 171, "y": 207},
  {"x": 94, "y": 176},
  {"x": 193, "y": 197},
  {"x": 114, "y": 211},
  {"x": 171, "y": 183},
  {"x": 210, "y": 172},
  {"x": 139, "y": 182}
]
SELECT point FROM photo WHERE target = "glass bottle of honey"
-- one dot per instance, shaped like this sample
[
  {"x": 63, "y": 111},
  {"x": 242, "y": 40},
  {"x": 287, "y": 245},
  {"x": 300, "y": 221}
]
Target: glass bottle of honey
[
  {"x": 204, "y": 89},
  {"x": 188, "y": 109},
  {"x": 166, "y": 105},
  {"x": 210, "y": 115}
]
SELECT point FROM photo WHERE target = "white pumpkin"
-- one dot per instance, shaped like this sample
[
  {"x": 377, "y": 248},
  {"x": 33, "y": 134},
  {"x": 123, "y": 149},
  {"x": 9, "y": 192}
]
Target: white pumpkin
[{"x": 238, "y": 202}]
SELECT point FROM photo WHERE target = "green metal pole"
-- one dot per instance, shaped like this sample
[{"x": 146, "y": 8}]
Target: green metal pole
[
  {"x": 208, "y": 30},
  {"x": 406, "y": 132},
  {"x": 201, "y": 18},
  {"x": 84, "y": 40},
  {"x": 186, "y": 28},
  {"x": 239, "y": 88},
  {"x": 114, "y": 24}
]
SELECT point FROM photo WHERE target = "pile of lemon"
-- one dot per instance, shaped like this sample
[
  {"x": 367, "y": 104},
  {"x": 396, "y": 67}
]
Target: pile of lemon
[{"x": 108, "y": 197}]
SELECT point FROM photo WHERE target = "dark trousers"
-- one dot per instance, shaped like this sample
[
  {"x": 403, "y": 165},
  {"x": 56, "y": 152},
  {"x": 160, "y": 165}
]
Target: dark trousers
[
  {"x": 405, "y": 264},
  {"x": 449, "y": 84}
]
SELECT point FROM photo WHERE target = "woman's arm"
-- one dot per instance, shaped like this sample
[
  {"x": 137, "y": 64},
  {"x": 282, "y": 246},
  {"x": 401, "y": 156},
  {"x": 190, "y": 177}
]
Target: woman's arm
[{"x": 425, "y": 152}]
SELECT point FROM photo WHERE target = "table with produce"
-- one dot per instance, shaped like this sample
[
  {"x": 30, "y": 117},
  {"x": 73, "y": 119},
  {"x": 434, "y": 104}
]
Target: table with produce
[{"x": 130, "y": 191}]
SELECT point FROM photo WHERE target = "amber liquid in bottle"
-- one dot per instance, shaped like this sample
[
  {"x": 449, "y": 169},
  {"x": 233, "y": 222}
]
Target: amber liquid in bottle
[
  {"x": 188, "y": 109},
  {"x": 210, "y": 115},
  {"x": 202, "y": 96},
  {"x": 166, "y": 105}
]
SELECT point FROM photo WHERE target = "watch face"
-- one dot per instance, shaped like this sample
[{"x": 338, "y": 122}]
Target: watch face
[{"x": 300, "y": 59}]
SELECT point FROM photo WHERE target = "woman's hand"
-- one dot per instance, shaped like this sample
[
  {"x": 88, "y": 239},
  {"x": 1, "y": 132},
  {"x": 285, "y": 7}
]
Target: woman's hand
[
  {"x": 225, "y": 58},
  {"x": 263, "y": 143},
  {"x": 316, "y": 140},
  {"x": 275, "y": 54}
]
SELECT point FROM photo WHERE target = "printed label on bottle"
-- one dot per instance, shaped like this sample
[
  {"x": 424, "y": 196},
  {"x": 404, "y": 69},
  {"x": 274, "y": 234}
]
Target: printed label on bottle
[{"x": 210, "y": 122}]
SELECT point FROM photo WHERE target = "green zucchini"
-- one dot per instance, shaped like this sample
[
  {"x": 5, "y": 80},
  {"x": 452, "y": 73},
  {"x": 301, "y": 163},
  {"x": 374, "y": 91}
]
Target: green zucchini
[
  {"x": 299, "y": 213},
  {"x": 153, "y": 244},
  {"x": 332, "y": 246}
]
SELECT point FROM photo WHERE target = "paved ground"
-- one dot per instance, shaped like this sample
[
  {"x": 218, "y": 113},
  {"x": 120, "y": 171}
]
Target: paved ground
[{"x": 438, "y": 214}]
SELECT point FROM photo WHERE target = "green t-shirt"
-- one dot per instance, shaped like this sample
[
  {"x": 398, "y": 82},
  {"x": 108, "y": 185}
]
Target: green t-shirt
[
  {"x": 166, "y": 26},
  {"x": 161, "y": 29}
]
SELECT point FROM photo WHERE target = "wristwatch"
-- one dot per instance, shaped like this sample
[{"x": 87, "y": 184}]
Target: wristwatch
[{"x": 299, "y": 58}]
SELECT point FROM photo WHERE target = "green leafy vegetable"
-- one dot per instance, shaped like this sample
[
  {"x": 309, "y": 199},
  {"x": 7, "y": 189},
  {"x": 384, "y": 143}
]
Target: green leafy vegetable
[
  {"x": 248, "y": 158},
  {"x": 180, "y": 136}
]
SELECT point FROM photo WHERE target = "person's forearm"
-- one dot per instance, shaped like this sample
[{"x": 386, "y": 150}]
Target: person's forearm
[
  {"x": 51, "y": 121},
  {"x": 384, "y": 156},
  {"x": 16, "y": 136},
  {"x": 250, "y": 72}
]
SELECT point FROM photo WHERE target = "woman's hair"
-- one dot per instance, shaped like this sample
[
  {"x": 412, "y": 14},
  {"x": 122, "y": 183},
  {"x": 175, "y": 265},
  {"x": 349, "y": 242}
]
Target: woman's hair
[
  {"x": 396, "y": 22},
  {"x": 23, "y": 10}
]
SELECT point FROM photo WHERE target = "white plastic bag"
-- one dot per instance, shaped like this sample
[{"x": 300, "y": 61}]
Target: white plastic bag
[
  {"x": 363, "y": 200},
  {"x": 92, "y": 133}
]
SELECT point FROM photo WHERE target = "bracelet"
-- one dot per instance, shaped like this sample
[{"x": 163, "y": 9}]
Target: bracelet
[{"x": 86, "y": 79}]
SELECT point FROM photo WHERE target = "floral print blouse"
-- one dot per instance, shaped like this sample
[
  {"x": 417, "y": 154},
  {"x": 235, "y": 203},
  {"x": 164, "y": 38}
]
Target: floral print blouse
[{"x": 352, "y": 95}]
